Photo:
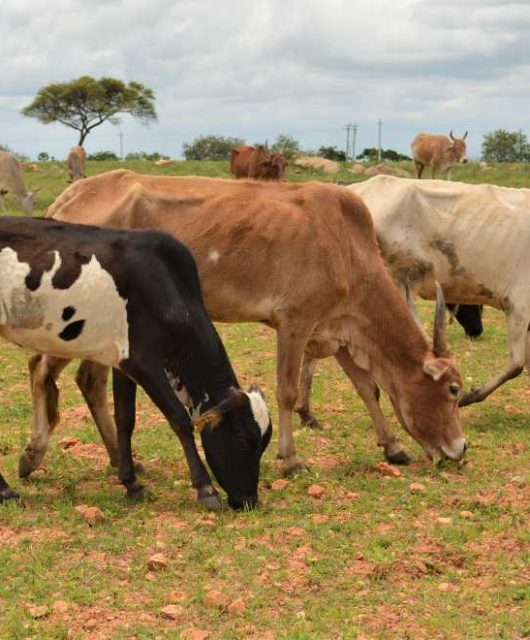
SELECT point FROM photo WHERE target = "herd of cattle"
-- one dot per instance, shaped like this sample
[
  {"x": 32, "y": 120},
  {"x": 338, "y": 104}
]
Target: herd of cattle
[{"x": 322, "y": 264}]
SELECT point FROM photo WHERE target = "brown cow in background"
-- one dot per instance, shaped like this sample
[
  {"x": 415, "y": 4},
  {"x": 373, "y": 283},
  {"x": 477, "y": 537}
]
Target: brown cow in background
[
  {"x": 438, "y": 152},
  {"x": 76, "y": 162},
  {"x": 257, "y": 163}
]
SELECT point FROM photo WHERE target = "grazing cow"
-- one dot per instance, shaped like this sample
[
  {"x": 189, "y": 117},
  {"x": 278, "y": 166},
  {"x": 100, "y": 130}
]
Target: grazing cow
[
  {"x": 301, "y": 258},
  {"x": 11, "y": 182},
  {"x": 438, "y": 152},
  {"x": 76, "y": 162},
  {"x": 257, "y": 163},
  {"x": 473, "y": 239},
  {"x": 76, "y": 291}
]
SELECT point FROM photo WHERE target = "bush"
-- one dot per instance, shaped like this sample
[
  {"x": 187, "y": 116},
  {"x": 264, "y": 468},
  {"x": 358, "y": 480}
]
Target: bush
[
  {"x": 210, "y": 148},
  {"x": 103, "y": 155},
  {"x": 332, "y": 153}
]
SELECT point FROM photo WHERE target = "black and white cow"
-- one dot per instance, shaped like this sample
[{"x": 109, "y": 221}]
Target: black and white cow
[{"x": 132, "y": 300}]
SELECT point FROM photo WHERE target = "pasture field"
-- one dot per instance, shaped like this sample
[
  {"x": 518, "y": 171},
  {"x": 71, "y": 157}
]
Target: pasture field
[{"x": 438, "y": 552}]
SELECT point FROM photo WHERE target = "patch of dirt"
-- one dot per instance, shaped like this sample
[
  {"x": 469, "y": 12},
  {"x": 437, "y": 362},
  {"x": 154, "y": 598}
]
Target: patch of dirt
[
  {"x": 89, "y": 451},
  {"x": 12, "y": 537}
]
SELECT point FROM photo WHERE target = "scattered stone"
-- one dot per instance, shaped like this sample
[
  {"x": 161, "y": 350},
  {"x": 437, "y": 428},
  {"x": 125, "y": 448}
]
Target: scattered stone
[
  {"x": 194, "y": 634},
  {"x": 68, "y": 442},
  {"x": 417, "y": 486},
  {"x": 319, "y": 518},
  {"x": 518, "y": 481},
  {"x": 352, "y": 495},
  {"x": 279, "y": 484},
  {"x": 388, "y": 470},
  {"x": 237, "y": 606},
  {"x": 216, "y": 599},
  {"x": 91, "y": 623},
  {"x": 157, "y": 562},
  {"x": 444, "y": 521},
  {"x": 177, "y": 596},
  {"x": 173, "y": 612},
  {"x": 316, "y": 491},
  {"x": 467, "y": 515},
  {"x": 91, "y": 515},
  {"x": 38, "y": 611},
  {"x": 445, "y": 586},
  {"x": 60, "y": 607}
]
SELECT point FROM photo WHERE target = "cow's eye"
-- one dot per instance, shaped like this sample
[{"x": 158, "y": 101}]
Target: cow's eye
[{"x": 454, "y": 388}]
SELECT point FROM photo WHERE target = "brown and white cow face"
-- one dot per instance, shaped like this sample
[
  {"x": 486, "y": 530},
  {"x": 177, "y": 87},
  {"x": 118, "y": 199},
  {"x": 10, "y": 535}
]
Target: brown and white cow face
[{"x": 458, "y": 148}]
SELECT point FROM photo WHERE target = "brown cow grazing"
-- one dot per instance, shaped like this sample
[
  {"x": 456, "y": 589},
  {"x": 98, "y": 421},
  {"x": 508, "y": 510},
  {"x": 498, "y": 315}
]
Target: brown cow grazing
[
  {"x": 257, "y": 163},
  {"x": 11, "y": 182},
  {"x": 438, "y": 152},
  {"x": 76, "y": 162},
  {"x": 301, "y": 258}
]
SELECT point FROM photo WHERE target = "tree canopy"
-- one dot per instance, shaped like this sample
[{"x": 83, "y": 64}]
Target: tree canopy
[
  {"x": 86, "y": 103},
  {"x": 505, "y": 146},
  {"x": 210, "y": 148}
]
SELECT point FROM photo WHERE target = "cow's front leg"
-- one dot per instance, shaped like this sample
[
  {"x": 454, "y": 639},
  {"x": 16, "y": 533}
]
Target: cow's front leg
[
  {"x": 155, "y": 383},
  {"x": 6, "y": 493},
  {"x": 291, "y": 345},
  {"x": 44, "y": 371},
  {"x": 369, "y": 393}
]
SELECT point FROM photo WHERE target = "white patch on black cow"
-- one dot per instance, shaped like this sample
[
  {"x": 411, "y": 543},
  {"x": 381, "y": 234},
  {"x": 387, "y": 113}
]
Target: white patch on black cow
[
  {"x": 89, "y": 319},
  {"x": 259, "y": 410}
]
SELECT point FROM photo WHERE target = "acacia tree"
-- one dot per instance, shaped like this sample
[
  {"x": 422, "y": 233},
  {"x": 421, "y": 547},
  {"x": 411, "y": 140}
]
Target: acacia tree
[
  {"x": 505, "y": 146},
  {"x": 86, "y": 103}
]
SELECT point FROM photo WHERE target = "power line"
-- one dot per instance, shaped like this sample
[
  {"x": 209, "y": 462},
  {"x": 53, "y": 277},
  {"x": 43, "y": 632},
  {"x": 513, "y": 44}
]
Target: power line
[
  {"x": 379, "y": 125},
  {"x": 353, "y": 129}
]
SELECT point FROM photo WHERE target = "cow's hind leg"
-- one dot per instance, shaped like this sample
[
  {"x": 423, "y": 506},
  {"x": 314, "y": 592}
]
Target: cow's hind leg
[
  {"x": 303, "y": 408},
  {"x": 419, "y": 168},
  {"x": 44, "y": 371},
  {"x": 91, "y": 379},
  {"x": 369, "y": 393},
  {"x": 155, "y": 383}
]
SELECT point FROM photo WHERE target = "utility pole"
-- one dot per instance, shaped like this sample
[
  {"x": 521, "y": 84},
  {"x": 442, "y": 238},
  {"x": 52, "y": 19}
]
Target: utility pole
[
  {"x": 353, "y": 129},
  {"x": 379, "y": 125},
  {"x": 121, "y": 144}
]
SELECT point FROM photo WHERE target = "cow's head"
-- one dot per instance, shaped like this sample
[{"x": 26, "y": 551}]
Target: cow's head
[
  {"x": 234, "y": 436},
  {"x": 28, "y": 201},
  {"x": 426, "y": 403},
  {"x": 458, "y": 147}
]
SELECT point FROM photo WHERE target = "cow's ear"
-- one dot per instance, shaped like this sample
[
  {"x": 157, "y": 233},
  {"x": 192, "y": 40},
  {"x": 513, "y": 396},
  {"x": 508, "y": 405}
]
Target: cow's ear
[
  {"x": 435, "y": 368},
  {"x": 238, "y": 398},
  {"x": 210, "y": 418}
]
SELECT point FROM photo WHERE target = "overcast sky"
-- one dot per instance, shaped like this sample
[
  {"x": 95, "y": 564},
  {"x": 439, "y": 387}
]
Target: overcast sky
[{"x": 257, "y": 68}]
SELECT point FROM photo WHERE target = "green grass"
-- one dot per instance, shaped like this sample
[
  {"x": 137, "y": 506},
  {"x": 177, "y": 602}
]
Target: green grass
[{"x": 371, "y": 559}]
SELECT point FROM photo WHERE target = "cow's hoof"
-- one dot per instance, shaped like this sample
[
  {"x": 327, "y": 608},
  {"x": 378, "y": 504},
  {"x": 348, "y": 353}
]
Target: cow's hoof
[
  {"x": 308, "y": 420},
  {"x": 8, "y": 495},
  {"x": 27, "y": 464},
  {"x": 139, "y": 467},
  {"x": 138, "y": 493},
  {"x": 210, "y": 498},
  {"x": 293, "y": 466},
  {"x": 398, "y": 457}
]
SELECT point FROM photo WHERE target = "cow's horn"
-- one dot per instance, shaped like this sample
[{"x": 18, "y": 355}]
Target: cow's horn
[
  {"x": 414, "y": 312},
  {"x": 464, "y": 136},
  {"x": 439, "y": 344},
  {"x": 451, "y": 135}
]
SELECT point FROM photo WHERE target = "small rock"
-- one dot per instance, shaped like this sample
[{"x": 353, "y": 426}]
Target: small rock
[
  {"x": 388, "y": 470},
  {"x": 417, "y": 486},
  {"x": 444, "y": 521},
  {"x": 279, "y": 484},
  {"x": 216, "y": 599},
  {"x": 194, "y": 634},
  {"x": 68, "y": 442},
  {"x": 91, "y": 515},
  {"x": 518, "y": 481},
  {"x": 445, "y": 586},
  {"x": 177, "y": 596},
  {"x": 319, "y": 518},
  {"x": 157, "y": 562},
  {"x": 60, "y": 607},
  {"x": 316, "y": 491},
  {"x": 173, "y": 612},
  {"x": 91, "y": 623},
  {"x": 352, "y": 495},
  {"x": 237, "y": 606},
  {"x": 38, "y": 611},
  {"x": 467, "y": 515}
]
